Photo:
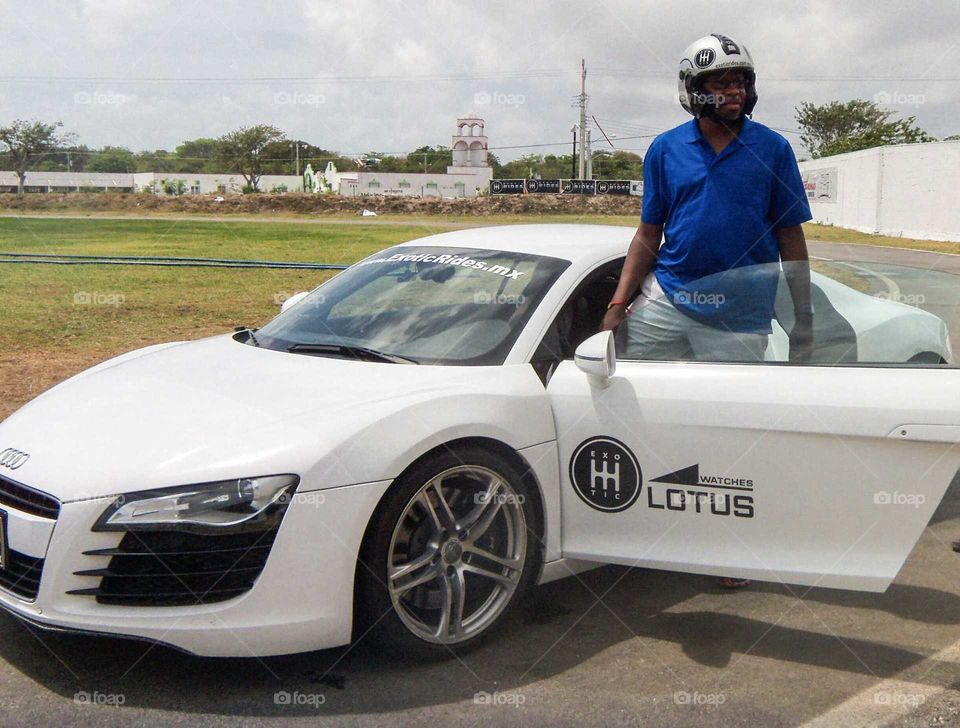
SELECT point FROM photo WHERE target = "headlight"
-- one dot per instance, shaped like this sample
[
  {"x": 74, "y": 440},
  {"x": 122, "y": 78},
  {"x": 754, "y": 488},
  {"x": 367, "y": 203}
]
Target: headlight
[{"x": 220, "y": 505}]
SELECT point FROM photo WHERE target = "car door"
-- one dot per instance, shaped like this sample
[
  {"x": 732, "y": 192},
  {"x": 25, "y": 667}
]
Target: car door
[{"x": 813, "y": 475}]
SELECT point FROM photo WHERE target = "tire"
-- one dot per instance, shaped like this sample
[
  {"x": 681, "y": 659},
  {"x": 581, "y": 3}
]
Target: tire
[
  {"x": 927, "y": 357},
  {"x": 434, "y": 581}
]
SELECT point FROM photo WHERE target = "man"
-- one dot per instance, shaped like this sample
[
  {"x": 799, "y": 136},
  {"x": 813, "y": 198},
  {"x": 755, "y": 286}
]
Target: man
[{"x": 725, "y": 194}]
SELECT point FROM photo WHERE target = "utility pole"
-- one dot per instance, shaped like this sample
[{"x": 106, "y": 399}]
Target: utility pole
[
  {"x": 573, "y": 157},
  {"x": 296, "y": 147},
  {"x": 589, "y": 157},
  {"x": 582, "y": 101}
]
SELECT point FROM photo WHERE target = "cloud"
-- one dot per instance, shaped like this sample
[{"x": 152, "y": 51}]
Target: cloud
[{"x": 393, "y": 75}]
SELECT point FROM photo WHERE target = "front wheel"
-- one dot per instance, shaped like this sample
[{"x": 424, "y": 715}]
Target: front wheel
[{"x": 450, "y": 550}]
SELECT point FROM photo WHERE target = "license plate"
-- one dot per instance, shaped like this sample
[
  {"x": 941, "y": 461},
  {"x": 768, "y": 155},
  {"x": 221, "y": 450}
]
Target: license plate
[{"x": 3, "y": 539}]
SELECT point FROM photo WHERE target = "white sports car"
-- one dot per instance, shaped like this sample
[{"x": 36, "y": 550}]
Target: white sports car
[{"x": 414, "y": 443}]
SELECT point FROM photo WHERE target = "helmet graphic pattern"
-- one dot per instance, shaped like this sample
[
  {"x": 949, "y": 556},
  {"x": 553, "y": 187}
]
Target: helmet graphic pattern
[{"x": 711, "y": 54}]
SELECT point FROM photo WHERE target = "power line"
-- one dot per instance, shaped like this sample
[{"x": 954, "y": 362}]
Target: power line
[{"x": 467, "y": 76}]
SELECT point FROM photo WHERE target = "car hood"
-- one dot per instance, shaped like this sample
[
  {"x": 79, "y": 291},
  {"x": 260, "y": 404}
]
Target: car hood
[{"x": 212, "y": 409}]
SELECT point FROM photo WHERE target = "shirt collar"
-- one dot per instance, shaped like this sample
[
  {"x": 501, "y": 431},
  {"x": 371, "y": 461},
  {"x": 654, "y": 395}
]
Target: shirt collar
[{"x": 747, "y": 135}]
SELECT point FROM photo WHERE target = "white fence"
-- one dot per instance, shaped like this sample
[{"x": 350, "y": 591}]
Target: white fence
[{"x": 908, "y": 190}]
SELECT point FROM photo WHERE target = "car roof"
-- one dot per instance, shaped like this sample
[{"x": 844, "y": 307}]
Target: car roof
[{"x": 577, "y": 243}]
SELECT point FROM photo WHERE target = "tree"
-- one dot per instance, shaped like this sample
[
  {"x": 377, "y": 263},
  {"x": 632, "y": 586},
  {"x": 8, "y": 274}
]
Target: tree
[
  {"x": 112, "y": 159},
  {"x": 196, "y": 155},
  {"x": 24, "y": 141},
  {"x": 159, "y": 160},
  {"x": 840, "y": 127},
  {"x": 617, "y": 164},
  {"x": 243, "y": 150}
]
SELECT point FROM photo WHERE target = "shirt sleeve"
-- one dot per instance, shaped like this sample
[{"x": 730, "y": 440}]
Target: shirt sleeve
[
  {"x": 654, "y": 195},
  {"x": 788, "y": 203}
]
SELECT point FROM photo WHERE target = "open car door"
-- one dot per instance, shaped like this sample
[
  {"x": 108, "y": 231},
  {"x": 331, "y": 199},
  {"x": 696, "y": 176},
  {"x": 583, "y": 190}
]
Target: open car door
[{"x": 812, "y": 475}]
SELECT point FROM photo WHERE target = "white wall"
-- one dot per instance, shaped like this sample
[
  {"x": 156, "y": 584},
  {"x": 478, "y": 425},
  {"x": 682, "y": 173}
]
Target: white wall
[
  {"x": 72, "y": 180},
  {"x": 211, "y": 183},
  {"x": 907, "y": 190},
  {"x": 422, "y": 185}
]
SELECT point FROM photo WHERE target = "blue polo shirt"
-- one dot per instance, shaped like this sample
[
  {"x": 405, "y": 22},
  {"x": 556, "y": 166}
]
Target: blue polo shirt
[{"x": 720, "y": 213}]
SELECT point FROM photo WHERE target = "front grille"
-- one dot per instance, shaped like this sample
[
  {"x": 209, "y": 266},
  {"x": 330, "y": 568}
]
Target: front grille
[
  {"x": 26, "y": 499},
  {"x": 21, "y": 574},
  {"x": 179, "y": 568}
]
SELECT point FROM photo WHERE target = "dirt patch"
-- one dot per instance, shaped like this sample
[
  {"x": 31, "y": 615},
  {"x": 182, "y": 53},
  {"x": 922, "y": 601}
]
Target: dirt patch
[
  {"x": 307, "y": 204},
  {"x": 26, "y": 374}
]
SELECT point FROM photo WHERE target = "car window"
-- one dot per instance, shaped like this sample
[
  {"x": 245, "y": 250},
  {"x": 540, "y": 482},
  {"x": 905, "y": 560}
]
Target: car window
[
  {"x": 424, "y": 304},
  {"x": 859, "y": 314}
]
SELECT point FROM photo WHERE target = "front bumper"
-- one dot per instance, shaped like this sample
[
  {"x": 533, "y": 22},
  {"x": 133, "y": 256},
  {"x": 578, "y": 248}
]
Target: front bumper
[{"x": 302, "y": 600}]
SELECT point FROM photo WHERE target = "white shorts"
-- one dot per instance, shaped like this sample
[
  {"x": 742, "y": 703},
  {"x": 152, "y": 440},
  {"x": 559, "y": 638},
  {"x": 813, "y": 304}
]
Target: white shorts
[{"x": 656, "y": 329}]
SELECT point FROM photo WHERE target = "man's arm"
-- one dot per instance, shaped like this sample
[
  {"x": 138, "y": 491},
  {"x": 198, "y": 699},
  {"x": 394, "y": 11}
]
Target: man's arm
[
  {"x": 796, "y": 269},
  {"x": 640, "y": 258}
]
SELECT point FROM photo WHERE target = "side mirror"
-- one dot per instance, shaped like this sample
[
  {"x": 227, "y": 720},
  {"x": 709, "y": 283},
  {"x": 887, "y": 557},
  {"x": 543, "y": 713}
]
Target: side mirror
[
  {"x": 293, "y": 300},
  {"x": 597, "y": 358}
]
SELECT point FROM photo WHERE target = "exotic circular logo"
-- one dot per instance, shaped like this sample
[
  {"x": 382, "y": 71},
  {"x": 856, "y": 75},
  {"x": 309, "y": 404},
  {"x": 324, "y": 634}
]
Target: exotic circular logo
[
  {"x": 533, "y": 185},
  {"x": 605, "y": 474},
  {"x": 602, "y": 186},
  {"x": 705, "y": 57},
  {"x": 496, "y": 186}
]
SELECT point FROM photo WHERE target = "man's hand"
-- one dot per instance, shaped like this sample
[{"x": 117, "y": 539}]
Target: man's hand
[
  {"x": 640, "y": 258},
  {"x": 801, "y": 339},
  {"x": 614, "y": 317}
]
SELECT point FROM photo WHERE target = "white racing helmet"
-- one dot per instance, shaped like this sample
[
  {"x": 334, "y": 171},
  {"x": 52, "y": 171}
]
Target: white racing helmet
[{"x": 710, "y": 54}]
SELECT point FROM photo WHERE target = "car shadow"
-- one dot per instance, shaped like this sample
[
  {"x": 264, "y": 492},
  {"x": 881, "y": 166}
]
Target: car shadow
[{"x": 561, "y": 625}]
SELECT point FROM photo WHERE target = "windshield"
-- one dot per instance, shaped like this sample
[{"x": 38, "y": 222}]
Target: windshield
[{"x": 422, "y": 304}]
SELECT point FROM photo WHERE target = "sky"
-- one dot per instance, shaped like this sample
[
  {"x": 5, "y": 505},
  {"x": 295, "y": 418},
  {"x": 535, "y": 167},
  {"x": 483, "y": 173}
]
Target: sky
[{"x": 393, "y": 75}]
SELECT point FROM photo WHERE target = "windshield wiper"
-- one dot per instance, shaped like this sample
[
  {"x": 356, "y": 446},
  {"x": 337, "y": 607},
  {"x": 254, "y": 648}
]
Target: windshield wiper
[{"x": 354, "y": 352}]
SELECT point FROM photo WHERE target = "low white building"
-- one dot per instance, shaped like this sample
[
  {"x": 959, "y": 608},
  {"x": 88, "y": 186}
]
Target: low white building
[
  {"x": 906, "y": 190},
  {"x": 166, "y": 183},
  {"x": 468, "y": 175},
  {"x": 157, "y": 182},
  {"x": 67, "y": 181}
]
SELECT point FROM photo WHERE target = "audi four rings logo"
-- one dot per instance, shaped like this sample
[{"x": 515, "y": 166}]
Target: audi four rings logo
[
  {"x": 13, "y": 459},
  {"x": 705, "y": 57}
]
